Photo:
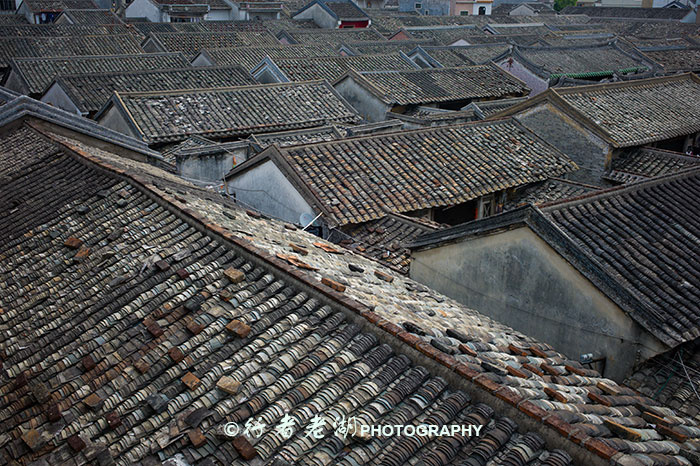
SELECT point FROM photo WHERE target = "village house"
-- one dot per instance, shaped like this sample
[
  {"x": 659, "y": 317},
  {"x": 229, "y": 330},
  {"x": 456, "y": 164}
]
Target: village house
[
  {"x": 375, "y": 94},
  {"x": 31, "y": 76},
  {"x": 354, "y": 180},
  {"x": 226, "y": 316},
  {"x": 338, "y": 14},
  {"x": 615, "y": 268},
  {"x": 86, "y": 94},
  {"x": 281, "y": 70},
  {"x": 593, "y": 124},
  {"x": 191, "y": 43},
  {"x": 542, "y": 67},
  {"x": 161, "y": 117}
]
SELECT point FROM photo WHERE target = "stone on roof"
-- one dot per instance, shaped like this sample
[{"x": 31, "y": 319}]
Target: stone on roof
[
  {"x": 89, "y": 92},
  {"x": 232, "y": 112},
  {"x": 440, "y": 85},
  {"x": 38, "y": 73}
]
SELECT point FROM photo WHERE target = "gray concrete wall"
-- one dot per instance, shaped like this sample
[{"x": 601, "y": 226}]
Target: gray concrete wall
[
  {"x": 367, "y": 105},
  {"x": 518, "y": 279},
  {"x": 15, "y": 83},
  {"x": 590, "y": 153},
  {"x": 266, "y": 189},
  {"x": 56, "y": 96},
  {"x": 320, "y": 16},
  {"x": 144, "y": 9},
  {"x": 113, "y": 119}
]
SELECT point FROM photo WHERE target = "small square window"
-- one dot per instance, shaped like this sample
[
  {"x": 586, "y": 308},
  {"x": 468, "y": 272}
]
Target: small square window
[
  {"x": 463, "y": 13},
  {"x": 418, "y": 6}
]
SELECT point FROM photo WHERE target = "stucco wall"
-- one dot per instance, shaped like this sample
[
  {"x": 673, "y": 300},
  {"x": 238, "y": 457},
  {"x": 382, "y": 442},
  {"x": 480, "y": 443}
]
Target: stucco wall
[
  {"x": 58, "y": 98},
  {"x": 320, "y": 16},
  {"x": 518, "y": 279},
  {"x": 209, "y": 167},
  {"x": 430, "y": 7},
  {"x": 114, "y": 120},
  {"x": 15, "y": 83},
  {"x": 588, "y": 151},
  {"x": 367, "y": 105},
  {"x": 266, "y": 189},
  {"x": 144, "y": 9},
  {"x": 534, "y": 82}
]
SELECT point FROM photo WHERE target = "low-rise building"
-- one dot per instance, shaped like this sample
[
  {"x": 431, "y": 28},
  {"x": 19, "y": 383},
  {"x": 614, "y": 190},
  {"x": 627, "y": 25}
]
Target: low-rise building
[
  {"x": 338, "y": 14},
  {"x": 613, "y": 273},
  {"x": 374, "y": 94}
]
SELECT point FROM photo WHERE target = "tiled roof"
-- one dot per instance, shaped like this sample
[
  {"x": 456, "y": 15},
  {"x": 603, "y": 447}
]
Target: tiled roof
[
  {"x": 390, "y": 22},
  {"x": 296, "y": 137},
  {"x": 11, "y": 47},
  {"x": 150, "y": 332},
  {"x": 490, "y": 107},
  {"x": 531, "y": 28},
  {"x": 249, "y": 57},
  {"x": 93, "y": 17},
  {"x": 539, "y": 8},
  {"x": 673, "y": 378},
  {"x": 331, "y": 68},
  {"x": 477, "y": 54},
  {"x": 148, "y": 28},
  {"x": 632, "y": 113},
  {"x": 345, "y": 10},
  {"x": 561, "y": 400},
  {"x": 445, "y": 35},
  {"x": 645, "y": 238},
  {"x": 190, "y": 43},
  {"x": 359, "y": 179},
  {"x": 385, "y": 239},
  {"x": 13, "y": 19},
  {"x": 676, "y": 59},
  {"x": 430, "y": 116},
  {"x": 89, "y": 92},
  {"x": 620, "y": 12},
  {"x": 448, "y": 57},
  {"x": 237, "y": 111},
  {"x": 334, "y": 36},
  {"x": 639, "y": 112},
  {"x": 61, "y": 30},
  {"x": 524, "y": 39},
  {"x": 37, "y": 73},
  {"x": 553, "y": 189},
  {"x": 38, "y": 6},
  {"x": 388, "y": 46},
  {"x": 197, "y": 146},
  {"x": 441, "y": 84},
  {"x": 641, "y": 163},
  {"x": 579, "y": 61}
]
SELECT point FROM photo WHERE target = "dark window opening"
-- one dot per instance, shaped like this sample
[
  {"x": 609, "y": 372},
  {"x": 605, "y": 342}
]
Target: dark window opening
[
  {"x": 458, "y": 214},
  {"x": 482, "y": 10}
]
